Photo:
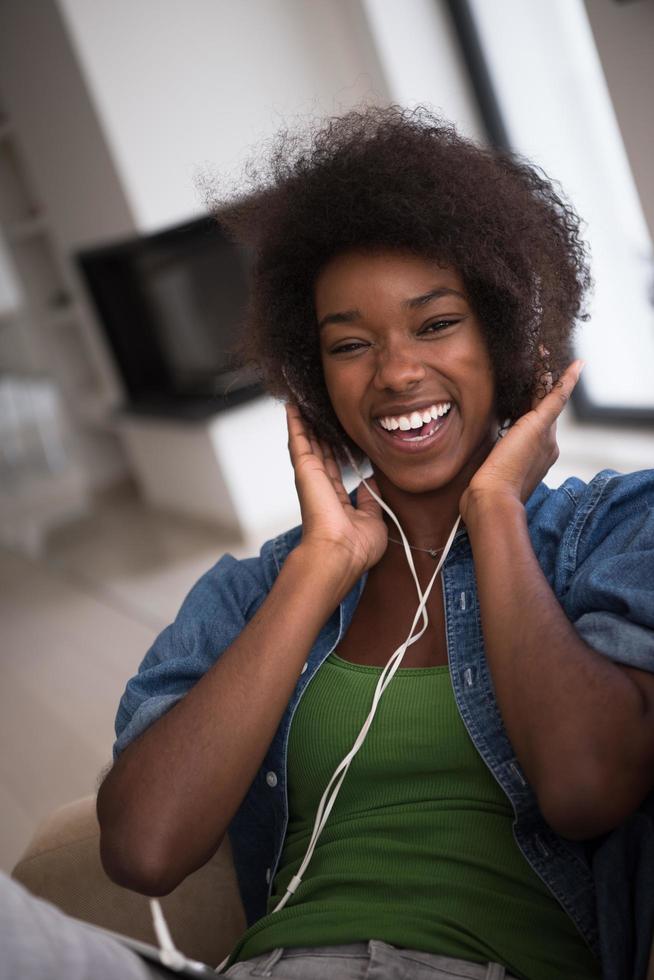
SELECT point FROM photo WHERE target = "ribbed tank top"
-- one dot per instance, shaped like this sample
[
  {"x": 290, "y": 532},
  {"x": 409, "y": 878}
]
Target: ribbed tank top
[{"x": 418, "y": 850}]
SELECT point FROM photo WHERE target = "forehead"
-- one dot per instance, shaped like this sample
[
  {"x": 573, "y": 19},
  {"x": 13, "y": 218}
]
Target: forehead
[{"x": 355, "y": 278}]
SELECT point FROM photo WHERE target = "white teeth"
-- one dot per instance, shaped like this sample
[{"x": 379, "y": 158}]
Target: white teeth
[
  {"x": 437, "y": 411},
  {"x": 416, "y": 419}
]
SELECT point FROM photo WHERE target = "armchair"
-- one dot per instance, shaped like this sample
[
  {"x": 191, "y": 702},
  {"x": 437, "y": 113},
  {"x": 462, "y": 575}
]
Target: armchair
[{"x": 62, "y": 865}]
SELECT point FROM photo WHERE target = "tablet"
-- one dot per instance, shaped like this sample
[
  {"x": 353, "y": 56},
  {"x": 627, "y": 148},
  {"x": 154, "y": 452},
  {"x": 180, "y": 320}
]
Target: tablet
[{"x": 175, "y": 962}]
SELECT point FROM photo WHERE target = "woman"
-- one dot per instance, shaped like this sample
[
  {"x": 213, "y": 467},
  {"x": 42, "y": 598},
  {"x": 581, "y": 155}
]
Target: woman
[{"x": 413, "y": 300}]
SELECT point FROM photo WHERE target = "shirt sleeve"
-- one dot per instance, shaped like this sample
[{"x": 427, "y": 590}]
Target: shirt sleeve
[
  {"x": 610, "y": 598},
  {"x": 211, "y": 617}
]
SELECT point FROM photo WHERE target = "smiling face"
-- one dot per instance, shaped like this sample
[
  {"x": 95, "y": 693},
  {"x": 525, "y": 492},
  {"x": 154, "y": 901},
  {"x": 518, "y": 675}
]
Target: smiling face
[{"x": 406, "y": 367}]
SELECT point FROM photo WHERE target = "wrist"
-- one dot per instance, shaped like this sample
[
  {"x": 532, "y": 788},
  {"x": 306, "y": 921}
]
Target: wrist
[
  {"x": 328, "y": 570},
  {"x": 484, "y": 508}
]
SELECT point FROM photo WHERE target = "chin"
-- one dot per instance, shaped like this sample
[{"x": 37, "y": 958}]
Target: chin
[{"x": 418, "y": 479}]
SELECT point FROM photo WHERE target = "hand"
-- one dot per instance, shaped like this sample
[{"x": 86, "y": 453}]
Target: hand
[
  {"x": 519, "y": 461},
  {"x": 355, "y": 535}
]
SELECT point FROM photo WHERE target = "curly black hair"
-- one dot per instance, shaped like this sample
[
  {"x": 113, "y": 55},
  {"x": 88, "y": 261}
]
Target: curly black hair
[{"x": 405, "y": 179}]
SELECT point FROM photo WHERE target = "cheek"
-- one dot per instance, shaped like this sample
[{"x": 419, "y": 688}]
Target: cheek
[
  {"x": 332, "y": 388},
  {"x": 340, "y": 386},
  {"x": 478, "y": 368},
  {"x": 477, "y": 390},
  {"x": 336, "y": 399},
  {"x": 345, "y": 404},
  {"x": 344, "y": 413}
]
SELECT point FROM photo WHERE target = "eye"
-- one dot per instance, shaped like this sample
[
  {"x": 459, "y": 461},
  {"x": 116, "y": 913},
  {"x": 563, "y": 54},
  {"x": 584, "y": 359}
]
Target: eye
[
  {"x": 437, "y": 325},
  {"x": 347, "y": 348}
]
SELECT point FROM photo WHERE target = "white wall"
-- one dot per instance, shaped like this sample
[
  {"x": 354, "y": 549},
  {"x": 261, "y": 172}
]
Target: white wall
[
  {"x": 183, "y": 87},
  {"x": 421, "y": 59}
]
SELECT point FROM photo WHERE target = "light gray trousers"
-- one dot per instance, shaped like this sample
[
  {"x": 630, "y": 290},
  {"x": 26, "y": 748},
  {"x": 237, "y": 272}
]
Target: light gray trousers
[{"x": 373, "y": 960}]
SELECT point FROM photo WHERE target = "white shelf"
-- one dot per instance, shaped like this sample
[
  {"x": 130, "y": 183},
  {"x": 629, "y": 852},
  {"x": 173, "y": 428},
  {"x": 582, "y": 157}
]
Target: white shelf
[
  {"x": 62, "y": 315},
  {"x": 46, "y": 334},
  {"x": 48, "y": 320},
  {"x": 20, "y": 231},
  {"x": 30, "y": 509},
  {"x": 96, "y": 412}
]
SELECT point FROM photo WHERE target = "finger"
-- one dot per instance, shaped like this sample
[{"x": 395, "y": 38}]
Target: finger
[
  {"x": 543, "y": 387},
  {"x": 299, "y": 437},
  {"x": 544, "y": 380},
  {"x": 328, "y": 455},
  {"x": 550, "y": 407},
  {"x": 365, "y": 500},
  {"x": 327, "y": 450},
  {"x": 298, "y": 426},
  {"x": 334, "y": 473},
  {"x": 331, "y": 464}
]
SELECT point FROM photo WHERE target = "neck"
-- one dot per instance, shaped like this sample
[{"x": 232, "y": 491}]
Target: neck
[{"x": 426, "y": 518}]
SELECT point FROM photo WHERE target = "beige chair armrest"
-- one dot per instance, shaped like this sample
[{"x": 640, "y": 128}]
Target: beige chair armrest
[{"x": 62, "y": 864}]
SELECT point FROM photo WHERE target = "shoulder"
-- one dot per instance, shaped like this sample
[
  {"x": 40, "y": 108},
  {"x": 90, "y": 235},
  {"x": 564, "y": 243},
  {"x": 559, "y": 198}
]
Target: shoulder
[
  {"x": 595, "y": 542},
  {"x": 582, "y": 515},
  {"x": 596, "y": 537},
  {"x": 235, "y": 585},
  {"x": 212, "y": 615}
]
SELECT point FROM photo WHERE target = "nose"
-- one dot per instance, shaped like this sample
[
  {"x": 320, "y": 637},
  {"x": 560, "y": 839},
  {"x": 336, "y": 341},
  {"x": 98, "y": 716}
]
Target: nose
[{"x": 398, "y": 368}]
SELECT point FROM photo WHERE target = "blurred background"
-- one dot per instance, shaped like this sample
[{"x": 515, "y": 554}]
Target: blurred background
[{"x": 131, "y": 445}]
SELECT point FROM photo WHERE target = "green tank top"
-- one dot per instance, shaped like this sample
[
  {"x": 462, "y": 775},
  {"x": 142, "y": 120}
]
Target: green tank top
[{"x": 418, "y": 850}]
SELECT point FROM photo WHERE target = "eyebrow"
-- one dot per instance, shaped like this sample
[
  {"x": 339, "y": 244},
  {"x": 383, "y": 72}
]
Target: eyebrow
[{"x": 349, "y": 316}]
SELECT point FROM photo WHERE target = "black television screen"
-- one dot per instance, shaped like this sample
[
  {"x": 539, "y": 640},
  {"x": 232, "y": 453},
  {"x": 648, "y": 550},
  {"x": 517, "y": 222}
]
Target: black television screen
[{"x": 172, "y": 306}]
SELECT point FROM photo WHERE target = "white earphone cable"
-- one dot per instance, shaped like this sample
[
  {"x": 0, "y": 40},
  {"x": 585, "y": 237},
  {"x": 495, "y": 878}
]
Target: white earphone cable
[{"x": 328, "y": 798}]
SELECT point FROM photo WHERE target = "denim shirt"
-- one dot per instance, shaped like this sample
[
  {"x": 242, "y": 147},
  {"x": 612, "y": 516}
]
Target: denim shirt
[{"x": 595, "y": 545}]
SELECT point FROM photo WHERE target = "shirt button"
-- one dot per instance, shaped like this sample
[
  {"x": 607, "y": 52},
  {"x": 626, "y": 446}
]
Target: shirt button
[
  {"x": 304, "y": 668},
  {"x": 271, "y": 779},
  {"x": 267, "y": 876}
]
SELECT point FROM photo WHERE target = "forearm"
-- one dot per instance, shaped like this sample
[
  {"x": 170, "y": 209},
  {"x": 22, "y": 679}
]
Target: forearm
[
  {"x": 171, "y": 795},
  {"x": 573, "y": 716}
]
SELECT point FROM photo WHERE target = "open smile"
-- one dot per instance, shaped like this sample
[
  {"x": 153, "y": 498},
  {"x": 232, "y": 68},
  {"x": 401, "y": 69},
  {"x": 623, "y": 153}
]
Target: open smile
[{"x": 417, "y": 431}]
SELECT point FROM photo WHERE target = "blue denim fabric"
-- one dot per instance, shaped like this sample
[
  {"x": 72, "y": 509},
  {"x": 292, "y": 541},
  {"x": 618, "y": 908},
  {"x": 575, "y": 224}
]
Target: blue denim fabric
[
  {"x": 623, "y": 871},
  {"x": 595, "y": 544}
]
